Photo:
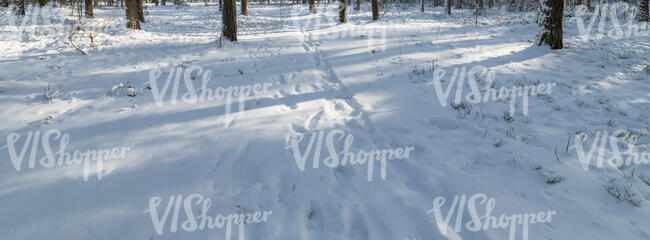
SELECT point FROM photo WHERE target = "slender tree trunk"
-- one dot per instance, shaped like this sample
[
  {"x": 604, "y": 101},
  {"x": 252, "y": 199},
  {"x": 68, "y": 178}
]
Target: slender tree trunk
[
  {"x": 19, "y": 7},
  {"x": 448, "y": 6},
  {"x": 375, "y": 10},
  {"x": 229, "y": 19},
  {"x": 132, "y": 14},
  {"x": 549, "y": 23},
  {"x": 312, "y": 6},
  {"x": 163, "y": 2},
  {"x": 244, "y": 7},
  {"x": 481, "y": 7},
  {"x": 89, "y": 9},
  {"x": 644, "y": 11},
  {"x": 342, "y": 11},
  {"x": 220, "y": 5},
  {"x": 357, "y": 5},
  {"x": 422, "y": 6},
  {"x": 140, "y": 10}
]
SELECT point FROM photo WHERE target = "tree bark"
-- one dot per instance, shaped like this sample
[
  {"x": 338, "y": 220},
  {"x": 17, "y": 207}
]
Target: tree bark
[
  {"x": 229, "y": 19},
  {"x": 549, "y": 23},
  {"x": 89, "y": 9},
  {"x": 244, "y": 7},
  {"x": 644, "y": 11},
  {"x": 312, "y": 6},
  {"x": 343, "y": 17},
  {"x": 132, "y": 14},
  {"x": 140, "y": 10},
  {"x": 375, "y": 10},
  {"x": 19, "y": 7}
]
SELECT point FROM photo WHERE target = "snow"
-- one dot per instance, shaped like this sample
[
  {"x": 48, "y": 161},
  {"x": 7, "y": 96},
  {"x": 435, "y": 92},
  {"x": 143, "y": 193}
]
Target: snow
[{"x": 366, "y": 79}]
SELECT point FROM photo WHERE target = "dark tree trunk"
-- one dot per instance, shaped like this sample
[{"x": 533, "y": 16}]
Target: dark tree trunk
[
  {"x": 229, "y": 19},
  {"x": 357, "y": 5},
  {"x": 312, "y": 6},
  {"x": 644, "y": 11},
  {"x": 342, "y": 11},
  {"x": 375, "y": 10},
  {"x": 163, "y": 2},
  {"x": 422, "y": 6},
  {"x": 220, "y": 5},
  {"x": 132, "y": 14},
  {"x": 244, "y": 7},
  {"x": 480, "y": 7},
  {"x": 19, "y": 7},
  {"x": 89, "y": 9},
  {"x": 550, "y": 24},
  {"x": 140, "y": 10}
]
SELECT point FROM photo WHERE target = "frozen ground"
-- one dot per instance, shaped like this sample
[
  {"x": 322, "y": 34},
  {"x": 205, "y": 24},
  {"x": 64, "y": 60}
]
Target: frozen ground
[{"x": 323, "y": 77}]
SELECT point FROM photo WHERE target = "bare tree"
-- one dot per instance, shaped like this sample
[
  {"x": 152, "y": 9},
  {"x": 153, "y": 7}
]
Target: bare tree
[
  {"x": 89, "y": 9},
  {"x": 19, "y": 7},
  {"x": 549, "y": 24},
  {"x": 375, "y": 10},
  {"x": 132, "y": 14},
  {"x": 244, "y": 7},
  {"x": 342, "y": 11},
  {"x": 644, "y": 11},
  {"x": 229, "y": 19}
]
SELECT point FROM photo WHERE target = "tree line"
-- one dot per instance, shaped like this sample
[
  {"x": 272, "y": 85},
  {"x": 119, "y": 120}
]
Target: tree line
[{"x": 550, "y": 18}]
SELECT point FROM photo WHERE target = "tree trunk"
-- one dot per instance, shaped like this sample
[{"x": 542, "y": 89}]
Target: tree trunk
[
  {"x": 163, "y": 2},
  {"x": 342, "y": 11},
  {"x": 480, "y": 7},
  {"x": 312, "y": 6},
  {"x": 422, "y": 6},
  {"x": 229, "y": 19},
  {"x": 19, "y": 7},
  {"x": 220, "y": 5},
  {"x": 644, "y": 11},
  {"x": 448, "y": 6},
  {"x": 375, "y": 10},
  {"x": 89, "y": 9},
  {"x": 140, "y": 10},
  {"x": 357, "y": 5},
  {"x": 244, "y": 7},
  {"x": 132, "y": 14},
  {"x": 549, "y": 23}
]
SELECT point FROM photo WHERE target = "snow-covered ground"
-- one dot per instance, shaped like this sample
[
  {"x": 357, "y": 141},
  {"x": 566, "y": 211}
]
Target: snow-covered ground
[{"x": 368, "y": 80}]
